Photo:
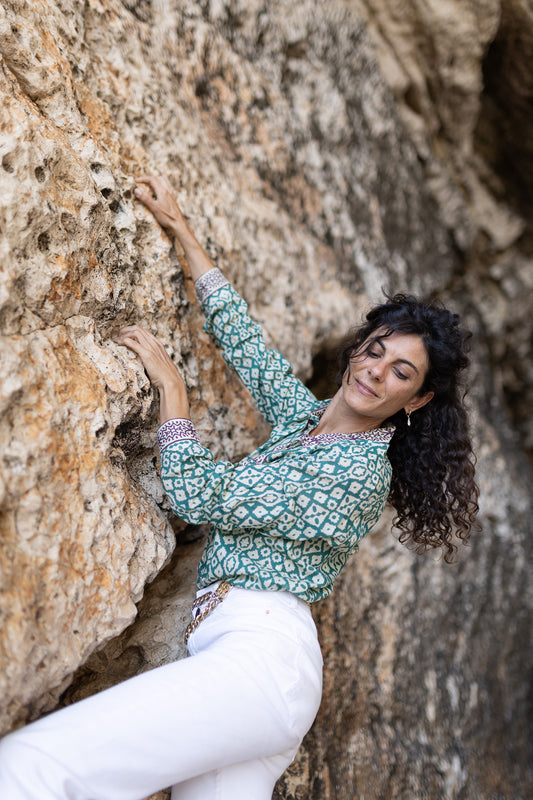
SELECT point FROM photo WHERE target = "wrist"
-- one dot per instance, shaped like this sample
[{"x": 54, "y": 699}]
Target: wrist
[
  {"x": 172, "y": 386},
  {"x": 181, "y": 230},
  {"x": 173, "y": 402}
]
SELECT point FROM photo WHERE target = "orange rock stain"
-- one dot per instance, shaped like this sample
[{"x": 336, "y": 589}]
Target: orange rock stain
[
  {"x": 68, "y": 286},
  {"x": 99, "y": 120}
]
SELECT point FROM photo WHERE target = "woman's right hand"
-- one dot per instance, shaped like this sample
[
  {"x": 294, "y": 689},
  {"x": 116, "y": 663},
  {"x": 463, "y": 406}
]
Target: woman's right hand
[{"x": 161, "y": 370}]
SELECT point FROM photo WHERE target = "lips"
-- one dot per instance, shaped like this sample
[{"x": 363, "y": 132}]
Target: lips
[{"x": 364, "y": 389}]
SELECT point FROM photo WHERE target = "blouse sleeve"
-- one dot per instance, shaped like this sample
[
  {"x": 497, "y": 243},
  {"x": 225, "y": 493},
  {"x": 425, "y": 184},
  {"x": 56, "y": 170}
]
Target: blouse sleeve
[
  {"x": 297, "y": 498},
  {"x": 268, "y": 376}
]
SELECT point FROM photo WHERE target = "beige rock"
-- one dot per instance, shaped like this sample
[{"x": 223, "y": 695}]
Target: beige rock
[
  {"x": 316, "y": 174},
  {"x": 461, "y": 77}
]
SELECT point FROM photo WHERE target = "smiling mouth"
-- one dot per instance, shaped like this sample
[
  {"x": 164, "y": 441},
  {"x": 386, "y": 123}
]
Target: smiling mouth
[{"x": 366, "y": 390}]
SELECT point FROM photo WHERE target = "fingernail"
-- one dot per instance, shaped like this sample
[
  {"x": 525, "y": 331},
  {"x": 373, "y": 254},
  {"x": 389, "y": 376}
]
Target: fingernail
[{"x": 137, "y": 192}]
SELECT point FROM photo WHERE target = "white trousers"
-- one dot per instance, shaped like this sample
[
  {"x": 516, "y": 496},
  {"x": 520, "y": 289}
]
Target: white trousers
[{"x": 222, "y": 724}]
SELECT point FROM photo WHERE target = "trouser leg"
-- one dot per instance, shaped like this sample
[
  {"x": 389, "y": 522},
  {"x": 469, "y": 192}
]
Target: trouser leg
[
  {"x": 251, "y": 780},
  {"x": 153, "y": 731},
  {"x": 246, "y": 695}
]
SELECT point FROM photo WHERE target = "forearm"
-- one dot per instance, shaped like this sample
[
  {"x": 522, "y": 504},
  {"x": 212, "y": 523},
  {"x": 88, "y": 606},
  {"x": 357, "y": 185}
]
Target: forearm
[
  {"x": 197, "y": 259},
  {"x": 278, "y": 393}
]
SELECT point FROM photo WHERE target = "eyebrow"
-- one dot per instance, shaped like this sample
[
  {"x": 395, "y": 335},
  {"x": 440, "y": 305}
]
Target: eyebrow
[{"x": 401, "y": 360}]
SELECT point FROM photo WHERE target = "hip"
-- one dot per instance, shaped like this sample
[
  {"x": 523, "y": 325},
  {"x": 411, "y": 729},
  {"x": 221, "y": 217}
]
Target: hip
[{"x": 261, "y": 617}]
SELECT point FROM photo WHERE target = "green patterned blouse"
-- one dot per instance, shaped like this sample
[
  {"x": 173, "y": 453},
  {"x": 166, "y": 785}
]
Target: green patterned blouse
[{"x": 288, "y": 516}]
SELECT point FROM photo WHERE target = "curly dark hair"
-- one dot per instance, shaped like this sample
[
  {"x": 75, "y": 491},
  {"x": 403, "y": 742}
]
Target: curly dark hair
[{"x": 432, "y": 490}]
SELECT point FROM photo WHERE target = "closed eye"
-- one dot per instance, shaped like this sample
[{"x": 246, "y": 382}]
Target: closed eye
[{"x": 399, "y": 374}]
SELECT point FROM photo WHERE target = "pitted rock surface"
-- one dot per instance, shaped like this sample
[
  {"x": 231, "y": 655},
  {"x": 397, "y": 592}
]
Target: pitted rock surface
[{"x": 322, "y": 152}]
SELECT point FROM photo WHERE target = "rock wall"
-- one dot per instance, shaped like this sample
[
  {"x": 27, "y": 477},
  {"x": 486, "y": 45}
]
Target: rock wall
[
  {"x": 322, "y": 152},
  {"x": 462, "y": 81}
]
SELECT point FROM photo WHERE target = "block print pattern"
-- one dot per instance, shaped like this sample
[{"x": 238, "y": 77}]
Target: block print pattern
[
  {"x": 289, "y": 515},
  {"x": 174, "y": 430},
  {"x": 279, "y": 394}
]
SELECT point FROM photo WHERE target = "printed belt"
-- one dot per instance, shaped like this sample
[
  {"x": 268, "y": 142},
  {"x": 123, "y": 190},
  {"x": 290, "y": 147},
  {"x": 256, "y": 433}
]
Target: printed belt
[{"x": 204, "y": 605}]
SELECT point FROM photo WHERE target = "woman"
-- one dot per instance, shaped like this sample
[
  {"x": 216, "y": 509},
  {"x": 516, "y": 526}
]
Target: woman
[{"x": 228, "y": 721}]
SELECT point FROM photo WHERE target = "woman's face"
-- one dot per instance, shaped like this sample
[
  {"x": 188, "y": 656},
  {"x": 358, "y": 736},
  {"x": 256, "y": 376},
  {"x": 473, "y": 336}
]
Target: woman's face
[{"x": 385, "y": 377}]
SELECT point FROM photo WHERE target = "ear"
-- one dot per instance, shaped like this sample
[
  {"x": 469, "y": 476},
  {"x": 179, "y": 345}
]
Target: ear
[{"x": 418, "y": 402}]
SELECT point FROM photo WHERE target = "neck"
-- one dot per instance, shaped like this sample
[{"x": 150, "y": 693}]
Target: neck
[{"x": 337, "y": 418}]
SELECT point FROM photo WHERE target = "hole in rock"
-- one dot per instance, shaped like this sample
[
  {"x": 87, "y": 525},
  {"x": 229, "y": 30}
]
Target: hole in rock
[
  {"x": 43, "y": 242},
  {"x": 69, "y": 222},
  {"x": 504, "y": 133},
  {"x": 202, "y": 88},
  {"x": 322, "y": 381},
  {"x": 296, "y": 49},
  {"x": 412, "y": 100},
  {"x": 7, "y": 163},
  {"x": 99, "y": 432},
  {"x": 141, "y": 9}
]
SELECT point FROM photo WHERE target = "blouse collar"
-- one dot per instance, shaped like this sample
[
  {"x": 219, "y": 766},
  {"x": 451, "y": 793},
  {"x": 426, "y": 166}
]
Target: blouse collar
[{"x": 383, "y": 434}]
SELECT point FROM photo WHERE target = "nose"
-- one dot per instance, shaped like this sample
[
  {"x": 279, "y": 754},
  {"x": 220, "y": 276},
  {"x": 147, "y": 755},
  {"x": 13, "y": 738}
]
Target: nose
[{"x": 375, "y": 370}]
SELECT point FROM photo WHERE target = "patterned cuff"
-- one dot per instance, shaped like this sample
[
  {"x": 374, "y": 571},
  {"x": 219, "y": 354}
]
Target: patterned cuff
[
  {"x": 208, "y": 283},
  {"x": 175, "y": 430}
]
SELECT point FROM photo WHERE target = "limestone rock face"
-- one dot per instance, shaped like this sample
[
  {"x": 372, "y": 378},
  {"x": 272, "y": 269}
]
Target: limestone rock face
[
  {"x": 463, "y": 85},
  {"x": 322, "y": 151}
]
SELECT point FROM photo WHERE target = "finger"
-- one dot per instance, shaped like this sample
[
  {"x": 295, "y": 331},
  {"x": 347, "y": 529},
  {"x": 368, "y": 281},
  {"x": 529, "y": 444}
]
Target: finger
[
  {"x": 148, "y": 342},
  {"x": 157, "y": 184},
  {"x": 132, "y": 344},
  {"x": 128, "y": 338},
  {"x": 129, "y": 329},
  {"x": 146, "y": 196},
  {"x": 149, "y": 191},
  {"x": 144, "y": 350},
  {"x": 155, "y": 204},
  {"x": 149, "y": 179},
  {"x": 159, "y": 179}
]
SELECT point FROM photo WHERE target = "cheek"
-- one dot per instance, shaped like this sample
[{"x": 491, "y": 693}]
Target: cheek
[
  {"x": 404, "y": 396},
  {"x": 399, "y": 394}
]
